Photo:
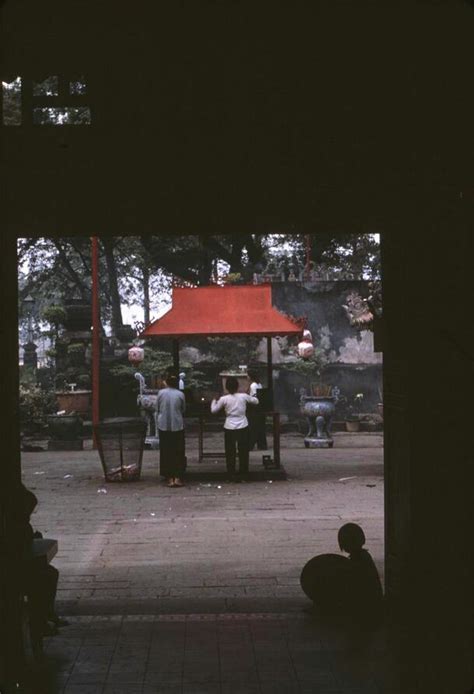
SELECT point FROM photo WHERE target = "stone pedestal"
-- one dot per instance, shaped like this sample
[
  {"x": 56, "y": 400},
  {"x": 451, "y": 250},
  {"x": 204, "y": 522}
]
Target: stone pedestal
[
  {"x": 152, "y": 443},
  {"x": 312, "y": 442}
]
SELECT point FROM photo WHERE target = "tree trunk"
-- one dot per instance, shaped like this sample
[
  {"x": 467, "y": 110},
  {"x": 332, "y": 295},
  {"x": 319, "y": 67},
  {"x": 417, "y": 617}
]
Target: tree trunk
[
  {"x": 117, "y": 322},
  {"x": 236, "y": 257},
  {"x": 146, "y": 294},
  {"x": 205, "y": 262}
]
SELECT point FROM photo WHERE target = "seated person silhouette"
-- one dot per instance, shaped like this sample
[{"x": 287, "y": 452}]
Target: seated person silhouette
[
  {"x": 41, "y": 580},
  {"x": 340, "y": 586}
]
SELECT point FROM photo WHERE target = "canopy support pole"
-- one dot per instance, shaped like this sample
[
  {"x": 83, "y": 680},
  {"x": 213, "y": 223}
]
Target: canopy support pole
[
  {"x": 176, "y": 358},
  {"x": 270, "y": 372}
]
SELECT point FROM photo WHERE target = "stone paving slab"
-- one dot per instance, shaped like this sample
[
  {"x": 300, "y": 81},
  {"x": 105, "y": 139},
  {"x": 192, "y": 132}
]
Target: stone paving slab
[
  {"x": 217, "y": 653},
  {"x": 208, "y": 547}
]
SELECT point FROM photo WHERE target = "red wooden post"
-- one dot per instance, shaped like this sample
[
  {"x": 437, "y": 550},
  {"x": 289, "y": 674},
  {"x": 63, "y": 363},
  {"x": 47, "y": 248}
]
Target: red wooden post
[{"x": 95, "y": 336}]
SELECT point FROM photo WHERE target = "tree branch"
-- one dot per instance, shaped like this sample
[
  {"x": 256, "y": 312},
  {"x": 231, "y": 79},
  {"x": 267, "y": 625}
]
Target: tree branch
[{"x": 83, "y": 289}]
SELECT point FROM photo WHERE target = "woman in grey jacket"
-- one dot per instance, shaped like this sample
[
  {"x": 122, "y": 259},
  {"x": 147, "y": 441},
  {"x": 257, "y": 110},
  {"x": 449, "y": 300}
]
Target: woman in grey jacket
[{"x": 170, "y": 405}]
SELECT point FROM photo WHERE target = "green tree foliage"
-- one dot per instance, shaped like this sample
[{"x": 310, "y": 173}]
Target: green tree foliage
[
  {"x": 355, "y": 253},
  {"x": 157, "y": 363},
  {"x": 57, "y": 269},
  {"x": 232, "y": 351},
  {"x": 310, "y": 368},
  {"x": 55, "y": 316},
  {"x": 132, "y": 269},
  {"x": 194, "y": 258}
]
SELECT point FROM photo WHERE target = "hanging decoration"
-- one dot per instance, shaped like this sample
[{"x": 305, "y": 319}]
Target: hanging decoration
[
  {"x": 306, "y": 347},
  {"x": 136, "y": 355}
]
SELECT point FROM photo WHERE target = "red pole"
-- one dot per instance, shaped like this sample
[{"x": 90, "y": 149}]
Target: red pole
[{"x": 95, "y": 335}]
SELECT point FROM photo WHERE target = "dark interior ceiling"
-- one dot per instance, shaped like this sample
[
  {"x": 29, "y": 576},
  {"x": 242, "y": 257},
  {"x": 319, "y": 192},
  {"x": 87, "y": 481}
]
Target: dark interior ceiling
[{"x": 222, "y": 116}]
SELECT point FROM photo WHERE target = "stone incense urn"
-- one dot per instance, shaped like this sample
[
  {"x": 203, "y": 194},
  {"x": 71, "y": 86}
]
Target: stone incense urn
[{"x": 319, "y": 411}]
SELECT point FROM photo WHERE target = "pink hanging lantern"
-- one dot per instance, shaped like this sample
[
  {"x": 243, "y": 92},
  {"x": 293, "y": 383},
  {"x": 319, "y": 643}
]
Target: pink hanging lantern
[
  {"x": 306, "y": 347},
  {"x": 136, "y": 355}
]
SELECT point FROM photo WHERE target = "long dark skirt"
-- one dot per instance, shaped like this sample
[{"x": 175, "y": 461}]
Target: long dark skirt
[{"x": 172, "y": 460}]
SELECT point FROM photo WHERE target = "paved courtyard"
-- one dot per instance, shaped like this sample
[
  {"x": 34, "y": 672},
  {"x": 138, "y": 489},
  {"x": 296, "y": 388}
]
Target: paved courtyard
[
  {"x": 142, "y": 548},
  {"x": 196, "y": 590},
  {"x": 219, "y": 654}
]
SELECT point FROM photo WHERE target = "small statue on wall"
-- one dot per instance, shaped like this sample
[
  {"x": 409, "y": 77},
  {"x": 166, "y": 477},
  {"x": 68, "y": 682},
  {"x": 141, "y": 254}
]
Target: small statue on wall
[
  {"x": 362, "y": 311},
  {"x": 358, "y": 311}
]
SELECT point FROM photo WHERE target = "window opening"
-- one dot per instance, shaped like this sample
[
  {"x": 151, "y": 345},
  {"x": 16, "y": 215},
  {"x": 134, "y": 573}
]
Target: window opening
[{"x": 11, "y": 96}]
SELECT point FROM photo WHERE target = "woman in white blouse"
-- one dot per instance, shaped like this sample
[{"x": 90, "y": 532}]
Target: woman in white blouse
[{"x": 236, "y": 426}]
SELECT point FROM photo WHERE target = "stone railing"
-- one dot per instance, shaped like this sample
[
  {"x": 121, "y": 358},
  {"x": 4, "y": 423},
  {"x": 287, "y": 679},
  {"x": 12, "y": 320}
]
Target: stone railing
[{"x": 303, "y": 276}]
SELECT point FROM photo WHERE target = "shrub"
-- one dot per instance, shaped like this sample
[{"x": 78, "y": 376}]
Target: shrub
[
  {"x": 84, "y": 381},
  {"x": 310, "y": 368},
  {"x": 56, "y": 317},
  {"x": 35, "y": 404},
  {"x": 76, "y": 348}
]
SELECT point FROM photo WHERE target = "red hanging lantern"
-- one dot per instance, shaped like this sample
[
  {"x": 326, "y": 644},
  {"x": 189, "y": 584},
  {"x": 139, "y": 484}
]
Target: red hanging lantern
[{"x": 136, "y": 355}]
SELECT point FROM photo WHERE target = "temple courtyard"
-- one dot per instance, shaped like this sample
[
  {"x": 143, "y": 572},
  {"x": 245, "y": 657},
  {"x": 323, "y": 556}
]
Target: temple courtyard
[
  {"x": 196, "y": 590},
  {"x": 211, "y": 546}
]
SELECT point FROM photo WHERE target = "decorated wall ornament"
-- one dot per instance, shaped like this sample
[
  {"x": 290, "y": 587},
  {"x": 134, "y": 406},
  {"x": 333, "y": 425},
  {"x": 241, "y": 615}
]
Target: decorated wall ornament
[{"x": 136, "y": 355}]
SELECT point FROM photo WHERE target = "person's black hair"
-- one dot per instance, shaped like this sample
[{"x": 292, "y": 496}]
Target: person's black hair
[
  {"x": 171, "y": 381},
  {"x": 253, "y": 375},
  {"x": 351, "y": 537},
  {"x": 232, "y": 385}
]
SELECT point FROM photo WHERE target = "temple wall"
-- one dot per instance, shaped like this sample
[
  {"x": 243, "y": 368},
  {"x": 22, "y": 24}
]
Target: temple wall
[{"x": 352, "y": 365}]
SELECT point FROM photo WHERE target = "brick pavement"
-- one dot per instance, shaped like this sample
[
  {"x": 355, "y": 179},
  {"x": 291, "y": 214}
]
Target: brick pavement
[
  {"x": 217, "y": 654},
  {"x": 210, "y": 547}
]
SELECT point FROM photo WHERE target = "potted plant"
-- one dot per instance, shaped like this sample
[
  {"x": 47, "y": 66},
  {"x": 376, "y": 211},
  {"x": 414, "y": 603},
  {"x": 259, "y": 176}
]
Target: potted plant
[{"x": 354, "y": 410}]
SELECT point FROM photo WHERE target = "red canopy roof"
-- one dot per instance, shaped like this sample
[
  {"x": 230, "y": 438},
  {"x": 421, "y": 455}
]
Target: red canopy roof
[{"x": 230, "y": 310}]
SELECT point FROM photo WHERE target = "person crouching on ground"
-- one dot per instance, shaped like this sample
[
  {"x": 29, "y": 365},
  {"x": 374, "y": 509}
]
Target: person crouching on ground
[
  {"x": 236, "y": 427},
  {"x": 365, "y": 586},
  {"x": 170, "y": 405},
  {"x": 345, "y": 587}
]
